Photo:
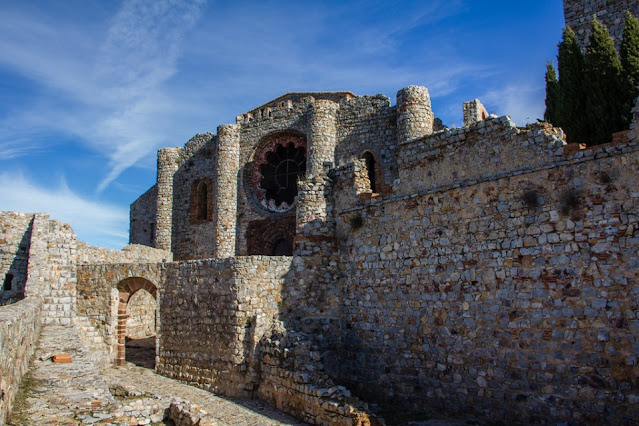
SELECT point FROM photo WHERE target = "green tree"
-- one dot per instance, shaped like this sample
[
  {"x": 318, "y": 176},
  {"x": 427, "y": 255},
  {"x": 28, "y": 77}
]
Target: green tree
[
  {"x": 629, "y": 55},
  {"x": 571, "y": 99},
  {"x": 552, "y": 94},
  {"x": 605, "y": 108}
]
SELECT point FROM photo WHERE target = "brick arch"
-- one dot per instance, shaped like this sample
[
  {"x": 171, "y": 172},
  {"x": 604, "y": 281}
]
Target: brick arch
[{"x": 126, "y": 288}]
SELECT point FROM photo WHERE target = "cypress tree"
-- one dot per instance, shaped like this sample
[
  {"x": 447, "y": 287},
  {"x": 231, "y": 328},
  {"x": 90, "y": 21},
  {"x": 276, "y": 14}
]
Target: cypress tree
[
  {"x": 571, "y": 99},
  {"x": 604, "y": 94},
  {"x": 552, "y": 94},
  {"x": 629, "y": 54}
]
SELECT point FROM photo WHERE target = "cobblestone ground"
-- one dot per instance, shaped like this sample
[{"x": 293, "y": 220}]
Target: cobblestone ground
[{"x": 77, "y": 393}]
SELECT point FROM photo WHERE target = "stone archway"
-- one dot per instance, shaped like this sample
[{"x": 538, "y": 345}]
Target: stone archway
[{"x": 126, "y": 288}]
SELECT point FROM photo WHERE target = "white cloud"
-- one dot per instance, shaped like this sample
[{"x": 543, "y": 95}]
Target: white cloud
[
  {"x": 94, "y": 222},
  {"x": 112, "y": 86},
  {"x": 523, "y": 103}
]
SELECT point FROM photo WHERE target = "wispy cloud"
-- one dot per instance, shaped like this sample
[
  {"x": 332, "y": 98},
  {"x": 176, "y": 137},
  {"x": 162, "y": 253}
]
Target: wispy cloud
[
  {"x": 524, "y": 103},
  {"x": 115, "y": 98},
  {"x": 94, "y": 222}
]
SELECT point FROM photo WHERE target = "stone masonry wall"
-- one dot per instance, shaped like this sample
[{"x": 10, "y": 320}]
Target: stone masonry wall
[
  {"x": 59, "y": 272},
  {"x": 368, "y": 123},
  {"x": 192, "y": 238},
  {"x": 493, "y": 147},
  {"x": 143, "y": 218},
  {"x": 513, "y": 298},
  {"x": 290, "y": 116},
  {"x": 214, "y": 312},
  {"x": 133, "y": 253},
  {"x": 98, "y": 295},
  {"x": 14, "y": 252},
  {"x": 611, "y": 13},
  {"x": 141, "y": 310},
  {"x": 19, "y": 330}
]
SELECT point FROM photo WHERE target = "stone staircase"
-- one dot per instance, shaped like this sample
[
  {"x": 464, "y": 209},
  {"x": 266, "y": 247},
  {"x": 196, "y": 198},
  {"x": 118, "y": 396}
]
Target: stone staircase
[{"x": 94, "y": 342}]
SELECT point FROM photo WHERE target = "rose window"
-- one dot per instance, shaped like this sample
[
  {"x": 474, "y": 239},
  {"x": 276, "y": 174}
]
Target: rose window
[{"x": 276, "y": 171}]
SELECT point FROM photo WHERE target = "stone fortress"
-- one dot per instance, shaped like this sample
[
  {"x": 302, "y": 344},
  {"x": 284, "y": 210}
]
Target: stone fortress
[{"x": 329, "y": 249}]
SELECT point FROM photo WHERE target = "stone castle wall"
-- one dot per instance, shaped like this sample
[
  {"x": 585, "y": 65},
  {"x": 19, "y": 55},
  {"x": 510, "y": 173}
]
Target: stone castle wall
[
  {"x": 14, "y": 254},
  {"x": 368, "y": 123},
  {"x": 491, "y": 148},
  {"x": 194, "y": 238},
  {"x": 511, "y": 298},
  {"x": 20, "y": 325},
  {"x": 133, "y": 253},
  {"x": 213, "y": 314},
  {"x": 47, "y": 283},
  {"x": 143, "y": 218},
  {"x": 578, "y": 15}
]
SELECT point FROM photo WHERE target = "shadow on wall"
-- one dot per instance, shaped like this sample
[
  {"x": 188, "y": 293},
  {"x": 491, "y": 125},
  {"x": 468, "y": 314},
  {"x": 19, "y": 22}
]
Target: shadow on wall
[{"x": 13, "y": 285}]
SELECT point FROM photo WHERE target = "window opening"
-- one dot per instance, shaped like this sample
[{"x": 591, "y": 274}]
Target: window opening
[
  {"x": 370, "y": 168},
  {"x": 202, "y": 201},
  {"x": 7, "y": 285},
  {"x": 283, "y": 247},
  {"x": 281, "y": 171}
]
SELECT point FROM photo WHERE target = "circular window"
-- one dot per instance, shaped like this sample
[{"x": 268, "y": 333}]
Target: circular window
[{"x": 276, "y": 170}]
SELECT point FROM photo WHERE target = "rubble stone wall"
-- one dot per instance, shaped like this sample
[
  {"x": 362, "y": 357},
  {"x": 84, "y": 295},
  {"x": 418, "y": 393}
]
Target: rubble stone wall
[
  {"x": 368, "y": 123},
  {"x": 59, "y": 271},
  {"x": 214, "y": 312},
  {"x": 491, "y": 148},
  {"x": 143, "y": 218},
  {"x": 14, "y": 253},
  {"x": 19, "y": 330},
  {"x": 512, "y": 298},
  {"x": 611, "y": 13},
  {"x": 133, "y": 253},
  {"x": 98, "y": 296},
  {"x": 193, "y": 238}
]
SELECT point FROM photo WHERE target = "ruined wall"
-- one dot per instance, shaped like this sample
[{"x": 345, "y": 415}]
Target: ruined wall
[
  {"x": 513, "y": 298},
  {"x": 19, "y": 330},
  {"x": 59, "y": 271},
  {"x": 213, "y": 314},
  {"x": 48, "y": 249},
  {"x": 143, "y": 218},
  {"x": 368, "y": 123},
  {"x": 14, "y": 253},
  {"x": 491, "y": 148},
  {"x": 193, "y": 237},
  {"x": 98, "y": 296},
  {"x": 133, "y": 253},
  {"x": 611, "y": 13}
]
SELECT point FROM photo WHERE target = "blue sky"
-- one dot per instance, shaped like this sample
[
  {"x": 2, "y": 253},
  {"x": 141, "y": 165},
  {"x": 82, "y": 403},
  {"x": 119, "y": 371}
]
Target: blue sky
[{"x": 90, "y": 90}]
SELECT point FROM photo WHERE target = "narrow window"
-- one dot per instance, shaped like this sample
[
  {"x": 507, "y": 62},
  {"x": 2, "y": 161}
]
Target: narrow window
[
  {"x": 8, "y": 282},
  {"x": 370, "y": 168},
  {"x": 202, "y": 201},
  {"x": 152, "y": 236}
]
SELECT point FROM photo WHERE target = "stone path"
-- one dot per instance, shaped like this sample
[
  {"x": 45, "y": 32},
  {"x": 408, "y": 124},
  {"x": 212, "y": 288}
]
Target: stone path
[{"x": 77, "y": 393}]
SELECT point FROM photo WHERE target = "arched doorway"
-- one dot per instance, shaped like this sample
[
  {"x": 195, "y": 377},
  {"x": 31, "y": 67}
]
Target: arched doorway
[{"x": 137, "y": 305}]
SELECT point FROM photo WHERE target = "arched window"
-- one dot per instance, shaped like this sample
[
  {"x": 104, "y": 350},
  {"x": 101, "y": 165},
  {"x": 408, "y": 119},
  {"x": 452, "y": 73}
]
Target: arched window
[
  {"x": 370, "y": 168},
  {"x": 202, "y": 201}
]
